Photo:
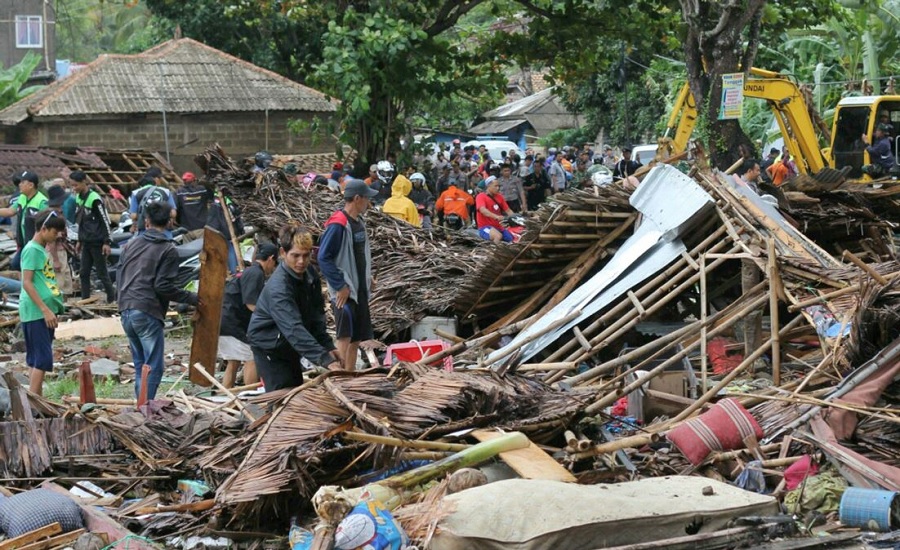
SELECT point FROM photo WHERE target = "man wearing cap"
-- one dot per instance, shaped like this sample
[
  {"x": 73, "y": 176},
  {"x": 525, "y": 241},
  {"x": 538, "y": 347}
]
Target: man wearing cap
[
  {"x": 30, "y": 202},
  {"x": 192, "y": 206},
  {"x": 93, "y": 236},
  {"x": 609, "y": 157},
  {"x": 880, "y": 157},
  {"x": 626, "y": 167},
  {"x": 241, "y": 294},
  {"x": 346, "y": 261},
  {"x": 490, "y": 209}
]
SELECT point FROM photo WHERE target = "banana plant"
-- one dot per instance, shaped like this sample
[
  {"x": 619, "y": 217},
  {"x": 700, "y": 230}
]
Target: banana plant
[{"x": 14, "y": 78}]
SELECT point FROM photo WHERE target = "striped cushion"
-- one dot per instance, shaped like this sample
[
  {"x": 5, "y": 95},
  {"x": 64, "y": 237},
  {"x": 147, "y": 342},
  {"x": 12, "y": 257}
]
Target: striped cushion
[{"x": 722, "y": 428}]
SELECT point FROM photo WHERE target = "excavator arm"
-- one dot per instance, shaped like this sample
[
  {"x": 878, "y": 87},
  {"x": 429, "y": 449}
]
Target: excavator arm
[{"x": 787, "y": 104}]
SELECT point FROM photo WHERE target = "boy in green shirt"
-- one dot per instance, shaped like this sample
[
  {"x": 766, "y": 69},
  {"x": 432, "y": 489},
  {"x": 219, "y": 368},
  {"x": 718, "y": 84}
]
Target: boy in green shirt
[{"x": 42, "y": 299}]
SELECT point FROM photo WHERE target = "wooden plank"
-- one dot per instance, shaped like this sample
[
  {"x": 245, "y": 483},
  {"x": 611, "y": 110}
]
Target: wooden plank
[
  {"x": 101, "y": 327},
  {"x": 531, "y": 462},
  {"x": 213, "y": 272},
  {"x": 53, "y": 542},
  {"x": 31, "y": 536}
]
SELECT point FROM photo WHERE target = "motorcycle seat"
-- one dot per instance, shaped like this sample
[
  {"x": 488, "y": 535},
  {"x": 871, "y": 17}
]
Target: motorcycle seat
[{"x": 190, "y": 249}]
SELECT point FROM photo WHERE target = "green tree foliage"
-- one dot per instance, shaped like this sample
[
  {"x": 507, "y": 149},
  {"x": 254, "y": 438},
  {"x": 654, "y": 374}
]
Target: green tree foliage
[
  {"x": 88, "y": 28},
  {"x": 267, "y": 33},
  {"x": 393, "y": 64},
  {"x": 385, "y": 59},
  {"x": 14, "y": 78}
]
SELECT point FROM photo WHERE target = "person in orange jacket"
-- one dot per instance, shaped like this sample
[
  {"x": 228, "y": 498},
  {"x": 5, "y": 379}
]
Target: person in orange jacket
[{"x": 454, "y": 202}]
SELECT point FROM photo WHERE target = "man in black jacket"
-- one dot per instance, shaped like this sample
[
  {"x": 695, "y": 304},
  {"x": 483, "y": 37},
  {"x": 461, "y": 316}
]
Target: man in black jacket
[
  {"x": 192, "y": 204},
  {"x": 289, "y": 320},
  {"x": 626, "y": 167},
  {"x": 148, "y": 269},
  {"x": 93, "y": 236}
]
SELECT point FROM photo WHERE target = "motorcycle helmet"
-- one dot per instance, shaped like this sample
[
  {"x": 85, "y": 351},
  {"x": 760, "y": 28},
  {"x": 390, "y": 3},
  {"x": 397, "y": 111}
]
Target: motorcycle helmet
[
  {"x": 262, "y": 159},
  {"x": 454, "y": 221},
  {"x": 385, "y": 172},
  {"x": 551, "y": 151},
  {"x": 417, "y": 176}
]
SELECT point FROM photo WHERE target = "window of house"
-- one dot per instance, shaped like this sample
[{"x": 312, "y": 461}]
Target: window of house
[{"x": 29, "y": 31}]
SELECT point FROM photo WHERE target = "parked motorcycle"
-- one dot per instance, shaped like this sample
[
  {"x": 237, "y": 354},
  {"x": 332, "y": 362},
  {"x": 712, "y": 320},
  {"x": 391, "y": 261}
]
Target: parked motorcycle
[
  {"x": 515, "y": 224},
  {"x": 188, "y": 256}
]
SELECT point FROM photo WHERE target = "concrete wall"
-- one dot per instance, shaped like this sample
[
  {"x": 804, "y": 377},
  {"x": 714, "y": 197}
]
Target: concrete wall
[
  {"x": 239, "y": 134},
  {"x": 9, "y": 53}
]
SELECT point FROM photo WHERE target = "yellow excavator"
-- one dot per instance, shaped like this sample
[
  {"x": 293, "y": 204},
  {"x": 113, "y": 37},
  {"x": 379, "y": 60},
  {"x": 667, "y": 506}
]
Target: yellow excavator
[{"x": 845, "y": 154}]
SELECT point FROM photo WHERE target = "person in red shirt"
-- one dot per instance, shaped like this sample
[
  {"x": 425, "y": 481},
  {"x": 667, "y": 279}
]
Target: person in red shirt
[{"x": 490, "y": 209}]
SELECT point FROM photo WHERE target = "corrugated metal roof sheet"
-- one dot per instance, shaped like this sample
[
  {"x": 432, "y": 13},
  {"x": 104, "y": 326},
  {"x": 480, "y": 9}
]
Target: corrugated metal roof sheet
[
  {"x": 496, "y": 126},
  {"x": 180, "y": 76},
  {"x": 521, "y": 107}
]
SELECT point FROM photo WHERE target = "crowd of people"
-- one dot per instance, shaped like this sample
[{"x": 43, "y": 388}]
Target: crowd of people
[
  {"x": 273, "y": 315},
  {"x": 464, "y": 186}
]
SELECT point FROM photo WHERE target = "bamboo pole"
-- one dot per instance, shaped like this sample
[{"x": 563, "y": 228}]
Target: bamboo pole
[
  {"x": 835, "y": 294},
  {"x": 704, "y": 355},
  {"x": 234, "y": 242},
  {"x": 655, "y": 347},
  {"x": 509, "y": 349},
  {"x": 812, "y": 373},
  {"x": 633, "y": 441},
  {"x": 649, "y": 290},
  {"x": 865, "y": 267},
  {"x": 475, "y": 343},
  {"x": 731, "y": 455},
  {"x": 773, "y": 313},
  {"x": 659, "y": 298},
  {"x": 216, "y": 383},
  {"x": 527, "y": 367},
  {"x": 609, "y": 398},
  {"x": 867, "y": 411},
  {"x": 706, "y": 397}
]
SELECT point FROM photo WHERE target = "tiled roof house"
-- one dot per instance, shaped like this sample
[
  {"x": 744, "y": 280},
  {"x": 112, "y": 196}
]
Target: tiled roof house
[{"x": 176, "y": 98}]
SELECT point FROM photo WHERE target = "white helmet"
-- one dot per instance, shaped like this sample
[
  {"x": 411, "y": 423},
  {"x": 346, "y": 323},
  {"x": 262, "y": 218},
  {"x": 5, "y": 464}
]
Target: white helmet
[
  {"x": 417, "y": 176},
  {"x": 385, "y": 171}
]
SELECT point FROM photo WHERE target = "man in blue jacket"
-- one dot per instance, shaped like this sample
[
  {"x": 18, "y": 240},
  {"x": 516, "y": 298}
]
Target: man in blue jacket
[
  {"x": 346, "y": 261},
  {"x": 879, "y": 152},
  {"x": 288, "y": 321}
]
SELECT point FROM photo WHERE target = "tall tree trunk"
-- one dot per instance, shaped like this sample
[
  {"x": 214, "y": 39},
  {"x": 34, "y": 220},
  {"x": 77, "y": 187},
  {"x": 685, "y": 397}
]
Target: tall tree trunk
[{"x": 722, "y": 37}]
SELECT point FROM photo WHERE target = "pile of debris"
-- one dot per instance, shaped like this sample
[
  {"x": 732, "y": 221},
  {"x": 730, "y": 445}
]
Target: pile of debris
[
  {"x": 434, "y": 263},
  {"x": 689, "y": 338}
]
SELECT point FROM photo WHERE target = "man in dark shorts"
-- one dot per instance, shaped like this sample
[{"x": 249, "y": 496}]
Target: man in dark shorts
[
  {"x": 241, "y": 294},
  {"x": 346, "y": 261},
  {"x": 288, "y": 322},
  {"x": 41, "y": 300}
]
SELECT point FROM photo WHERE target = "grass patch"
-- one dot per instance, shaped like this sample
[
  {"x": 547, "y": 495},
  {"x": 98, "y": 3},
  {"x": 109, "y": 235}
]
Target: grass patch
[
  {"x": 61, "y": 387},
  {"x": 106, "y": 387}
]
